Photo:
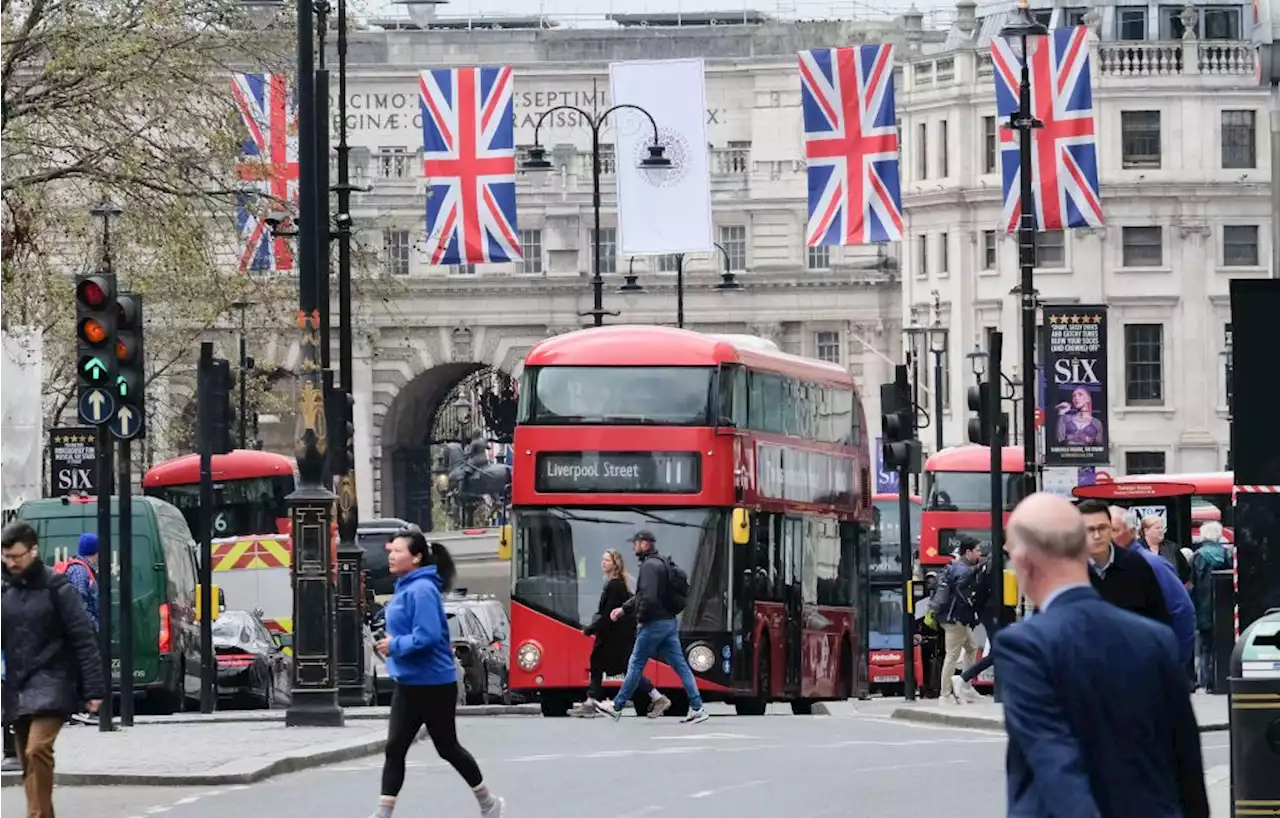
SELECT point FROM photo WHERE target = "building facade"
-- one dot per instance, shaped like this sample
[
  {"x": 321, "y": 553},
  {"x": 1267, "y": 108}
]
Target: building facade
[
  {"x": 1183, "y": 147},
  {"x": 422, "y": 329}
]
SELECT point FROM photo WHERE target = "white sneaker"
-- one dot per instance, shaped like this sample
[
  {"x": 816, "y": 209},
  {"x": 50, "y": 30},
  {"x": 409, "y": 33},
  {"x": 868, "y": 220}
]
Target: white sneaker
[
  {"x": 496, "y": 810},
  {"x": 696, "y": 716},
  {"x": 606, "y": 707},
  {"x": 658, "y": 706},
  {"x": 967, "y": 692},
  {"x": 948, "y": 699}
]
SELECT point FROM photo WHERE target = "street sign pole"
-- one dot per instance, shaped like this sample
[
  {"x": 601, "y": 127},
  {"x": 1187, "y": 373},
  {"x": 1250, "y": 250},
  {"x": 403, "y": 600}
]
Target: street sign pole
[
  {"x": 105, "y": 490},
  {"x": 126, "y": 583},
  {"x": 205, "y": 421}
]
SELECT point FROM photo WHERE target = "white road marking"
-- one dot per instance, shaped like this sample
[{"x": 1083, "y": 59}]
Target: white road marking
[
  {"x": 699, "y": 736},
  {"x": 641, "y": 811},
  {"x": 190, "y": 799},
  {"x": 744, "y": 785},
  {"x": 157, "y": 810},
  {"x": 537, "y": 758}
]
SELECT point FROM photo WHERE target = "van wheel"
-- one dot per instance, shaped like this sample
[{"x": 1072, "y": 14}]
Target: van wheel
[{"x": 554, "y": 705}]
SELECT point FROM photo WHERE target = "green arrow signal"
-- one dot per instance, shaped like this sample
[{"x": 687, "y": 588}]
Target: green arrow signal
[
  {"x": 123, "y": 385},
  {"x": 96, "y": 368}
]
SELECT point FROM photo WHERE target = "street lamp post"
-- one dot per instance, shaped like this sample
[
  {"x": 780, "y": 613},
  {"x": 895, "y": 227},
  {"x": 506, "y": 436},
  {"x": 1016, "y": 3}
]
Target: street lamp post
[
  {"x": 1229, "y": 354},
  {"x": 938, "y": 346},
  {"x": 537, "y": 161},
  {"x": 315, "y": 684},
  {"x": 728, "y": 281},
  {"x": 245, "y": 365},
  {"x": 1024, "y": 34}
]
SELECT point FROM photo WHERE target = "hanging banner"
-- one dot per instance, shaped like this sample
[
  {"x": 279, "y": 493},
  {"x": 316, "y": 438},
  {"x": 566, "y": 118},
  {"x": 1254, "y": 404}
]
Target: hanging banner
[
  {"x": 73, "y": 462},
  {"x": 665, "y": 210},
  {"x": 21, "y": 427},
  {"x": 1075, "y": 400}
]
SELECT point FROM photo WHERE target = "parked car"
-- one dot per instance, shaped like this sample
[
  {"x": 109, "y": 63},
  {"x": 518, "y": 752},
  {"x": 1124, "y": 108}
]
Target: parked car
[
  {"x": 385, "y": 686},
  {"x": 372, "y": 536},
  {"x": 483, "y": 662},
  {"x": 252, "y": 666},
  {"x": 489, "y": 610}
]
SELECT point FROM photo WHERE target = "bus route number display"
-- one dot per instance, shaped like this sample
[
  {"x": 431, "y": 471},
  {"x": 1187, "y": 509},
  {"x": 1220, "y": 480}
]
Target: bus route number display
[{"x": 618, "y": 472}]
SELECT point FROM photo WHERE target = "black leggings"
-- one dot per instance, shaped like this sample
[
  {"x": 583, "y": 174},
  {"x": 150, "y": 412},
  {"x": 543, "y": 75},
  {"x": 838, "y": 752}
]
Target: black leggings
[
  {"x": 596, "y": 690},
  {"x": 436, "y": 706}
]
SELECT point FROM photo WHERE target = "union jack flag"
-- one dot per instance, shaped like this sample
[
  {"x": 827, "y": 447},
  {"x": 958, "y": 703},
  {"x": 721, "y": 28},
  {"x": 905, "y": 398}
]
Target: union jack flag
[
  {"x": 269, "y": 162},
  {"x": 469, "y": 159},
  {"x": 851, "y": 144},
  {"x": 1064, "y": 153}
]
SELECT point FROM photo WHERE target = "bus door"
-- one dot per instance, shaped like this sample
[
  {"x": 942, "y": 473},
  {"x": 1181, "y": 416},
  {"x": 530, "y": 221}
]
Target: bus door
[
  {"x": 1172, "y": 501},
  {"x": 792, "y": 540}
]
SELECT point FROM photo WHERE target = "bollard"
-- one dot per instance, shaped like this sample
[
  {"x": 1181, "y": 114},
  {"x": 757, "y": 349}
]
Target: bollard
[{"x": 1254, "y": 706}]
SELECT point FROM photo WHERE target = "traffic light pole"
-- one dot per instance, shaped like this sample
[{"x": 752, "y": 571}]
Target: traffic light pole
[
  {"x": 126, "y": 583},
  {"x": 206, "y": 409},
  {"x": 908, "y": 608},
  {"x": 995, "y": 434},
  {"x": 105, "y": 490}
]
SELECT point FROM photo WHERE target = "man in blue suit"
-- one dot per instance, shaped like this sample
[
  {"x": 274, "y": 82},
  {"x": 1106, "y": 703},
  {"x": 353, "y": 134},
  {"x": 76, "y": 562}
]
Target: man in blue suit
[{"x": 1096, "y": 704}]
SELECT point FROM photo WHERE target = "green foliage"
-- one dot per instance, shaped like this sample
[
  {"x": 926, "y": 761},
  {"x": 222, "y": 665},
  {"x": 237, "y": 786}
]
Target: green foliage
[{"x": 129, "y": 100}]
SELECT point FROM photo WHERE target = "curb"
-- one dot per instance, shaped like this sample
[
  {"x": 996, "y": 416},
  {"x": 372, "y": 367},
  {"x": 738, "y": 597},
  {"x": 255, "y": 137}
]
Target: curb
[
  {"x": 228, "y": 774},
  {"x": 986, "y": 722},
  {"x": 349, "y": 714}
]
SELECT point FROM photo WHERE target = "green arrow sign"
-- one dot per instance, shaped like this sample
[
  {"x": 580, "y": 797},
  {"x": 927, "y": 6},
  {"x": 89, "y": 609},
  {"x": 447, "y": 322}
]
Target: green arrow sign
[
  {"x": 95, "y": 368},
  {"x": 123, "y": 386}
]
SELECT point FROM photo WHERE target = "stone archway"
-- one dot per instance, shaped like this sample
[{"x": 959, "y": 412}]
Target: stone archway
[{"x": 456, "y": 402}]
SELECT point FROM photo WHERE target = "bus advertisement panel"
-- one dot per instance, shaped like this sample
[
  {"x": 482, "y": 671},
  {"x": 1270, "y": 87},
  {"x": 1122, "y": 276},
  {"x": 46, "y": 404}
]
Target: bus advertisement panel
[{"x": 749, "y": 467}]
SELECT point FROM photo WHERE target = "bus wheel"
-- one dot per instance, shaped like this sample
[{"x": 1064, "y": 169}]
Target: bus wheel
[
  {"x": 679, "y": 705},
  {"x": 758, "y": 705},
  {"x": 845, "y": 691},
  {"x": 554, "y": 705}
]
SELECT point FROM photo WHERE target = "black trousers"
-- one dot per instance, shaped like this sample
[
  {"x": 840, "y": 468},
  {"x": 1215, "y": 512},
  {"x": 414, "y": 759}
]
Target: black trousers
[{"x": 435, "y": 706}]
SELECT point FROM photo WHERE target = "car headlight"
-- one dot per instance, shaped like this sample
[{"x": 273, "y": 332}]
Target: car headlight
[
  {"x": 529, "y": 656},
  {"x": 701, "y": 658}
]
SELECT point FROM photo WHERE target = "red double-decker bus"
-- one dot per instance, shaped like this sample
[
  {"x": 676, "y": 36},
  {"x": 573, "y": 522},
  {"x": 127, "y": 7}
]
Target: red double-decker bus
[
  {"x": 886, "y": 660},
  {"x": 750, "y": 467},
  {"x": 958, "y": 498}
]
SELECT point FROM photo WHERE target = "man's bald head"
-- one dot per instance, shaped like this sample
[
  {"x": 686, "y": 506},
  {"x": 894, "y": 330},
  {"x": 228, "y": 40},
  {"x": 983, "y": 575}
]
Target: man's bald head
[{"x": 1049, "y": 526}]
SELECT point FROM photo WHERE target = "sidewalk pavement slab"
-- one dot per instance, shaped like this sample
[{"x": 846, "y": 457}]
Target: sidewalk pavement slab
[
  {"x": 191, "y": 749},
  {"x": 1211, "y": 713}
]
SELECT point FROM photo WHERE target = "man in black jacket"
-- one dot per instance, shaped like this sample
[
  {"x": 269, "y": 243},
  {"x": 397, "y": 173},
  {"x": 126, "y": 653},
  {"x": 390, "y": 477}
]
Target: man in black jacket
[
  {"x": 658, "y": 635},
  {"x": 1120, "y": 575},
  {"x": 52, "y": 669}
]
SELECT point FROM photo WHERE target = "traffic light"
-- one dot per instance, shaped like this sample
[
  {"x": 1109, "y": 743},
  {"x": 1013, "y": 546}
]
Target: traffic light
[
  {"x": 339, "y": 417},
  {"x": 95, "y": 334},
  {"x": 222, "y": 418},
  {"x": 979, "y": 398},
  {"x": 130, "y": 360},
  {"x": 898, "y": 424}
]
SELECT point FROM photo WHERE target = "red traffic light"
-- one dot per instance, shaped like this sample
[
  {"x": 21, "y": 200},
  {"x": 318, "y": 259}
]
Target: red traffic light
[
  {"x": 93, "y": 291},
  {"x": 124, "y": 349}
]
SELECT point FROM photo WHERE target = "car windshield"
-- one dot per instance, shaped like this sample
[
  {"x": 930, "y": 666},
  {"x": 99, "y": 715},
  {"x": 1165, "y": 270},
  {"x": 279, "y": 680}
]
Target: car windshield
[
  {"x": 455, "y": 626},
  {"x": 665, "y": 395},
  {"x": 558, "y": 555},
  {"x": 233, "y": 629},
  {"x": 970, "y": 491}
]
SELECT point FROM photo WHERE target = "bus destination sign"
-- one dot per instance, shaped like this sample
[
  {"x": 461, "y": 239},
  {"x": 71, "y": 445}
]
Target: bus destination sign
[{"x": 618, "y": 472}]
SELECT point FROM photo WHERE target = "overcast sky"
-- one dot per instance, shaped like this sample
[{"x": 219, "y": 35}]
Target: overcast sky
[{"x": 570, "y": 11}]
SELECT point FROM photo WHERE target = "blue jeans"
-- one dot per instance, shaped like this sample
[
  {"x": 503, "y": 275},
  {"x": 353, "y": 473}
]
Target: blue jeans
[{"x": 659, "y": 640}]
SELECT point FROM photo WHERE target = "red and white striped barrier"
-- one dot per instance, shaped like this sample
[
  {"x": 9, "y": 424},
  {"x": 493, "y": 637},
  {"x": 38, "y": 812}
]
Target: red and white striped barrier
[{"x": 1235, "y": 563}]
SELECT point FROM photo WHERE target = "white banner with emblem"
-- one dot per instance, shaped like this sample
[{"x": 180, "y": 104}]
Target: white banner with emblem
[{"x": 22, "y": 423}]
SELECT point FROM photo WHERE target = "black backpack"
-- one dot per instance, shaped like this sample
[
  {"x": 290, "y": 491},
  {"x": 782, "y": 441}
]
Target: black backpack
[{"x": 677, "y": 591}]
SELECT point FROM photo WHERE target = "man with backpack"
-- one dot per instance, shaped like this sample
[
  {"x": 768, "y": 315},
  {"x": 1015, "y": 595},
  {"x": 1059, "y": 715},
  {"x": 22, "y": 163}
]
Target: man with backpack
[
  {"x": 953, "y": 608},
  {"x": 662, "y": 590},
  {"x": 82, "y": 572}
]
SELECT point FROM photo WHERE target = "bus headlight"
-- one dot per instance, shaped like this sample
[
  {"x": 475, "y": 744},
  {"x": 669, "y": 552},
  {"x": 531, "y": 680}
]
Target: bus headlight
[
  {"x": 529, "y": 656},
  {"x": 701, "y": 658}
]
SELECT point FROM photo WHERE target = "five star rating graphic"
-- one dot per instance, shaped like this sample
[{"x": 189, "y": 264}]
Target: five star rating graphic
[{"x": 1076, "y": 319}]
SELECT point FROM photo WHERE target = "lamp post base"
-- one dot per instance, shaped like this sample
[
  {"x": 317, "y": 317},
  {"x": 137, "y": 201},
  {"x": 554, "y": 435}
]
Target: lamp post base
[{"x": 314, "y": 708}]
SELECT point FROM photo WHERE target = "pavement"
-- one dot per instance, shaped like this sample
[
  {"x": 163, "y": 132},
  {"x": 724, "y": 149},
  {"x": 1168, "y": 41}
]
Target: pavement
[
  {"x": 857, "y": 760},
  {"x": 194, "y": 749},
  {"x": 1211, "y": 712}
]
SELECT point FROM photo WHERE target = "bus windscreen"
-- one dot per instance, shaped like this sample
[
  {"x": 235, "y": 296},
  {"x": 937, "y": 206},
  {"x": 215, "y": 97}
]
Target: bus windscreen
[
  {"x": 970, "y": 491},
  {"x": 633, "y": 395},
  {"x": 240, "y": 507}
]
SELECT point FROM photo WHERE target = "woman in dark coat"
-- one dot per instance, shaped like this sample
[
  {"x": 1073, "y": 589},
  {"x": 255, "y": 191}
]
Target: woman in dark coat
[{"x": 614, "y": 641}]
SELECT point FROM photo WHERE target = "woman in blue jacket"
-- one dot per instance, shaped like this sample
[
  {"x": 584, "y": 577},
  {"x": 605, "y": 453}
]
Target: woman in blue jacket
[{"x": 420, "y": 660}]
